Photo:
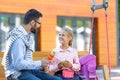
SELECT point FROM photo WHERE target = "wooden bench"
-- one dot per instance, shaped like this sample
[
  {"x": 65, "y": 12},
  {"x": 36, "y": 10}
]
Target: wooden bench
[
  {"x": 40, "y": 54},
  {"x": 36, "y": 56}
]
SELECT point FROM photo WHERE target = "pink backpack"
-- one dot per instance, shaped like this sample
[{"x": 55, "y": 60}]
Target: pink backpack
[{"x": 88, "y": 67}]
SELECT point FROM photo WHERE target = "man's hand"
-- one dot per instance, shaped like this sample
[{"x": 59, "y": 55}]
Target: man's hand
[{"x": 44, "y": 62}]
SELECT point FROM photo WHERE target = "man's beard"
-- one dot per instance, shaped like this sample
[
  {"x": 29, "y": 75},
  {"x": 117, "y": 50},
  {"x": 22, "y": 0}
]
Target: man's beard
[{"x": 34, "y": 29}]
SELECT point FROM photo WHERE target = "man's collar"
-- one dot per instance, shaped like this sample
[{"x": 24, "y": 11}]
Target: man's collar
[{"x": 23, "y": 30}]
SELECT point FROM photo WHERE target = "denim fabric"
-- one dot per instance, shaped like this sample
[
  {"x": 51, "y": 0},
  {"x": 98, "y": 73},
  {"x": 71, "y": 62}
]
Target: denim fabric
[{"x": 32, "y": 75}]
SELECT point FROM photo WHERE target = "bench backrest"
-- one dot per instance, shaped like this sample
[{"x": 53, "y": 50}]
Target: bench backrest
[{"x": 40, "y": 54}]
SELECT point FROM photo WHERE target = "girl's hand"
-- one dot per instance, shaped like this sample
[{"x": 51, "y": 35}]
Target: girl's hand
[
  {"x": 60, "y": 66},
  {"x": 64, "y": 65},
  {"x": 67, "y": 64}
]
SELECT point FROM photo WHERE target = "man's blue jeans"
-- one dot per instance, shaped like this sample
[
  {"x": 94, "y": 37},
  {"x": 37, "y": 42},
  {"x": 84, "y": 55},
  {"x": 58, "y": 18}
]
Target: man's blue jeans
[{"x": 32, "y": 75}]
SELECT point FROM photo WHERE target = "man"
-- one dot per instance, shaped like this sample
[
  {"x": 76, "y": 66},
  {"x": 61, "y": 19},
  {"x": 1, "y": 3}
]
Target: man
[{"x": 17, "y": 60}]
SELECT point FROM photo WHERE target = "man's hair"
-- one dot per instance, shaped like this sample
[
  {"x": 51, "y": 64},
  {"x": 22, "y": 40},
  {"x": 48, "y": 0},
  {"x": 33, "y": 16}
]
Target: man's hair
[{"x": 30, "y": 15}]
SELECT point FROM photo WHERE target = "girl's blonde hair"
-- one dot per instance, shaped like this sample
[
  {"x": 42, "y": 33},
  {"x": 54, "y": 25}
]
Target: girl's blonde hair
[{"x": 69, "y": 34}]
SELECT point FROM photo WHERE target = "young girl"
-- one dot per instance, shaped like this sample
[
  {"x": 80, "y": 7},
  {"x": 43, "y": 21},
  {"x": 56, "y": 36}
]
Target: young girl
[{"x": 65, "y": 62}]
